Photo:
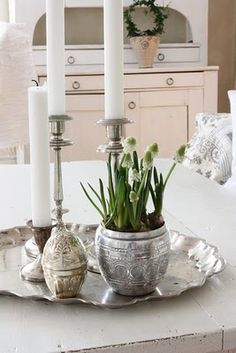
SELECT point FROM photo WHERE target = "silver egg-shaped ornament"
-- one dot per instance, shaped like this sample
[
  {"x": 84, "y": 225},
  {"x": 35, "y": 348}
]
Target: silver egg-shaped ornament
[{"x": 64, "y": 263}]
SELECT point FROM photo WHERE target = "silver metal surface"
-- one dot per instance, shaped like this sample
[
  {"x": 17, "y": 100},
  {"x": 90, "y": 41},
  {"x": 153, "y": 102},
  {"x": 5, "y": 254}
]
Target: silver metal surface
[
  {"x": 31, "y": 248},
  {"x": 86, "y": 234},
  {"x": 192, "y": 261},
  {"x": 115, "y": 131},
  {"x": 33, "y": 271},
  {"x": 64, "y": 258},
  {"x": 64, "y": 263},
  {"x": 57, "y": 128},
  {"x": 132, "y": 263}
]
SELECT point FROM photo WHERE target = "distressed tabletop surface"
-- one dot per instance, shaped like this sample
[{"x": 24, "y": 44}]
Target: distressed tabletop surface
[{"x": 199, "y": 321}]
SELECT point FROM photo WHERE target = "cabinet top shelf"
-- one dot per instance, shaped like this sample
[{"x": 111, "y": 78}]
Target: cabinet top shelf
[{"x": 98, "y": 70}]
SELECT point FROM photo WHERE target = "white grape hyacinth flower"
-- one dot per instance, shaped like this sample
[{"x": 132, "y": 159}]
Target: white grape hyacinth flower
[
  {"x": 129, "y": 145},
  {"x": 134, "y": 175}
]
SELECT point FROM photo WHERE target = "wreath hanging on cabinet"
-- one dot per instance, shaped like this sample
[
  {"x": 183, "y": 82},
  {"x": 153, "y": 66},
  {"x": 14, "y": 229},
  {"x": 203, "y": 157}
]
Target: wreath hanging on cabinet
[{"x": 159, "y": 14}]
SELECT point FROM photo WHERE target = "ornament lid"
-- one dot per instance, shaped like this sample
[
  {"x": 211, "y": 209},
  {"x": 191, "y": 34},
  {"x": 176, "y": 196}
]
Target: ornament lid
[{"x": 64, "y": 251}]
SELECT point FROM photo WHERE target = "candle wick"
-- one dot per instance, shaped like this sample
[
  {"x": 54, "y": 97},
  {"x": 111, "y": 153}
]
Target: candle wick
[{"x": 37, "y": 84}]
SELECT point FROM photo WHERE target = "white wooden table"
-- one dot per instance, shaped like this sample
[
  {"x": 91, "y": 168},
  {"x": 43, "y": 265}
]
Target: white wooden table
[{"x": 199, "y": 321}]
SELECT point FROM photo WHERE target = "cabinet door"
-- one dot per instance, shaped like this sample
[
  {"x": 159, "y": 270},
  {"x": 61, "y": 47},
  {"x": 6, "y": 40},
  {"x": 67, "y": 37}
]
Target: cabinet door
[
  {"x": 132, "y": 113},
  {"x": 163, "y": 117},
  {"x": 83, "y": 130}
]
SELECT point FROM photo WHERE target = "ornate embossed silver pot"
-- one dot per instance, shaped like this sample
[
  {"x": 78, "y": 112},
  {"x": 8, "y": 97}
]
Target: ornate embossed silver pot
[{"x": 132, "y": 264}]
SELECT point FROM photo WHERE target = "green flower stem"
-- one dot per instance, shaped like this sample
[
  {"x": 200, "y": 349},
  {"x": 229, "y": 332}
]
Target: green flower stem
[
  {"x": 142, "y": 182},
  {"x": 169, "y": 174}
]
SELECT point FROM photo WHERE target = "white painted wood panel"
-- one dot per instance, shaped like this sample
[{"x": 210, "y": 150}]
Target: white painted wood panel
[
  {"x": 195, "y": 104},
  {"x": 210, "y": 91},
  {"x": 155, "y": 120},
  {"x": 132, "y": 113},
  {"x": 86, "y": 135}
]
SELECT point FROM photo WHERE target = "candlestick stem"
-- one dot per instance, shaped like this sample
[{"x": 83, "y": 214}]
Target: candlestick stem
[
  {"x": 58, "y": 187},
  {"x": 57, "y": 141}
]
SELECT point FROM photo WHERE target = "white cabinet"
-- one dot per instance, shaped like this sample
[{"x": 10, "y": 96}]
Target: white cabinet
[
  {"x": 190, "y": 51},
  {"x": 162, "y": 103},
  {"x": 86, "y": 135},
  {"x": 158, "y": 122}
]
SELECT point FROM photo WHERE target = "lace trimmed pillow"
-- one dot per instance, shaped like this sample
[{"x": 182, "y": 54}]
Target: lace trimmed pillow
[{"x": 209, "y": 152}]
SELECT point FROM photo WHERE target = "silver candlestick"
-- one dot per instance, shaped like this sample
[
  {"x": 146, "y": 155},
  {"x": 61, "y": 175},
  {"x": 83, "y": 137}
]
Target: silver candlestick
[
  {"x": 33, "y": 271},
  {"x": 64, "y": 258},
  {"x": 57, "y": 142},
  {"x": 115, "y": 131}
]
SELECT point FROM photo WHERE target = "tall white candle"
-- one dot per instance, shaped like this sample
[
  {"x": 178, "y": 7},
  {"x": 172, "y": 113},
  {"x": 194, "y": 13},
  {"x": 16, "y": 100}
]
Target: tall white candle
[
  {"x": 39, "y": 156},
  {"x": 55, "y": 56},
  {"x": 113, "y": 59}
]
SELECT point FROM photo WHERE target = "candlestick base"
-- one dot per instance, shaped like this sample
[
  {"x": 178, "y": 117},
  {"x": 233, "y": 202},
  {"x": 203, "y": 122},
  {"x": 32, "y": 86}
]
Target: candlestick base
[
  {"x": 31, "y": 248},
  {"x": 33, "y": 271}
]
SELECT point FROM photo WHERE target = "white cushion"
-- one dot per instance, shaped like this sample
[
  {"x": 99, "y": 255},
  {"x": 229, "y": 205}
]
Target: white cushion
[
  {"x": 209, "y": 152},
  {"x": 16, "y": 72},
  {"x": 231, "y": 183}
]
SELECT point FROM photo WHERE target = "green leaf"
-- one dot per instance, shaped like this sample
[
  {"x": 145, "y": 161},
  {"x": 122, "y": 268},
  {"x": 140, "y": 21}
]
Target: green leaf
[
  {"x": 155, "y": 175},
  {"x": 153, "y": 195},
  {"x": 103, "y": 200},
  {"x": 110, "y": 180},
  {"x": 92, "y": 202},
  {"x": 135, "y": 159},
  {"x": 95, "y": 192}
]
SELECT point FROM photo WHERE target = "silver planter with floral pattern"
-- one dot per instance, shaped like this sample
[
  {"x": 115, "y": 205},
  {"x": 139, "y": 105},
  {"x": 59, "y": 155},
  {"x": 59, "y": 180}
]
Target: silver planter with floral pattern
[{"x": 132, "y": 264}]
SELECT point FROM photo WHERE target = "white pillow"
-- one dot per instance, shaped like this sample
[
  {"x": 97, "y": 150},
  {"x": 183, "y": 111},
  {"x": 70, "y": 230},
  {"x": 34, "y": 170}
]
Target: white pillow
[
  {"x": 209, "y": 152},
  {"x": 231, "y": 183},
  {"x": 16, "y": 72}
]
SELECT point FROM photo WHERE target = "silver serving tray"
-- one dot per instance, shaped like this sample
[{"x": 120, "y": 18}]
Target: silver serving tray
[{"x": 192, "y": 261}]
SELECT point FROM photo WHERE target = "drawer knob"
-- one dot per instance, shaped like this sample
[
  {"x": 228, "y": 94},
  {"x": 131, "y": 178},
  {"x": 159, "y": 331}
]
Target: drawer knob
[
  {"x": 161, "y": 57},
  {"x": 170, "y": 81},
  {"x": 132, "y": 105},
  {"x": 76, "y": 85},
  {"x": 71, "y": 60}
]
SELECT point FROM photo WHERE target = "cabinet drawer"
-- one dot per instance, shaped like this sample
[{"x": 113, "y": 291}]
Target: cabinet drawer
[
  {"x": 84, "y": 83},
  {"x": 164, "y": 80},
  {"x": 134, "y": 81},
  {"x": 81, "y": 83},
  {"x": 94, "y": 55}
]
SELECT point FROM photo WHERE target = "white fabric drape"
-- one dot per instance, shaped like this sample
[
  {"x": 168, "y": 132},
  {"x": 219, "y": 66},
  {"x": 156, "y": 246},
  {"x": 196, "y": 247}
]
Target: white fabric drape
[
  {"x": 16, "y": 72},
  {"x": 4, "y": 10}
]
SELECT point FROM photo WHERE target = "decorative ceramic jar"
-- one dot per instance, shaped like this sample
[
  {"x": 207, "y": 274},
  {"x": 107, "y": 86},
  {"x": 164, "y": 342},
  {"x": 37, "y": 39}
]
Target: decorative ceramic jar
[
  {"x": 132, "y": 264},
  {"x": 146, "y": 49},
  {"x": 64, "y": 263}
]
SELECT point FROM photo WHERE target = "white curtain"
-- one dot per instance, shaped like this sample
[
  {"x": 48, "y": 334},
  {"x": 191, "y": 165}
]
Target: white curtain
[{"x": 4, "y": 10}]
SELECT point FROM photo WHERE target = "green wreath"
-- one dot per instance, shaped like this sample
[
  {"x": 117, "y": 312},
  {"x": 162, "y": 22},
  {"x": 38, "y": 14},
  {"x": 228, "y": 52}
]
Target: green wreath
[{"x": 159, "y": 13}]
